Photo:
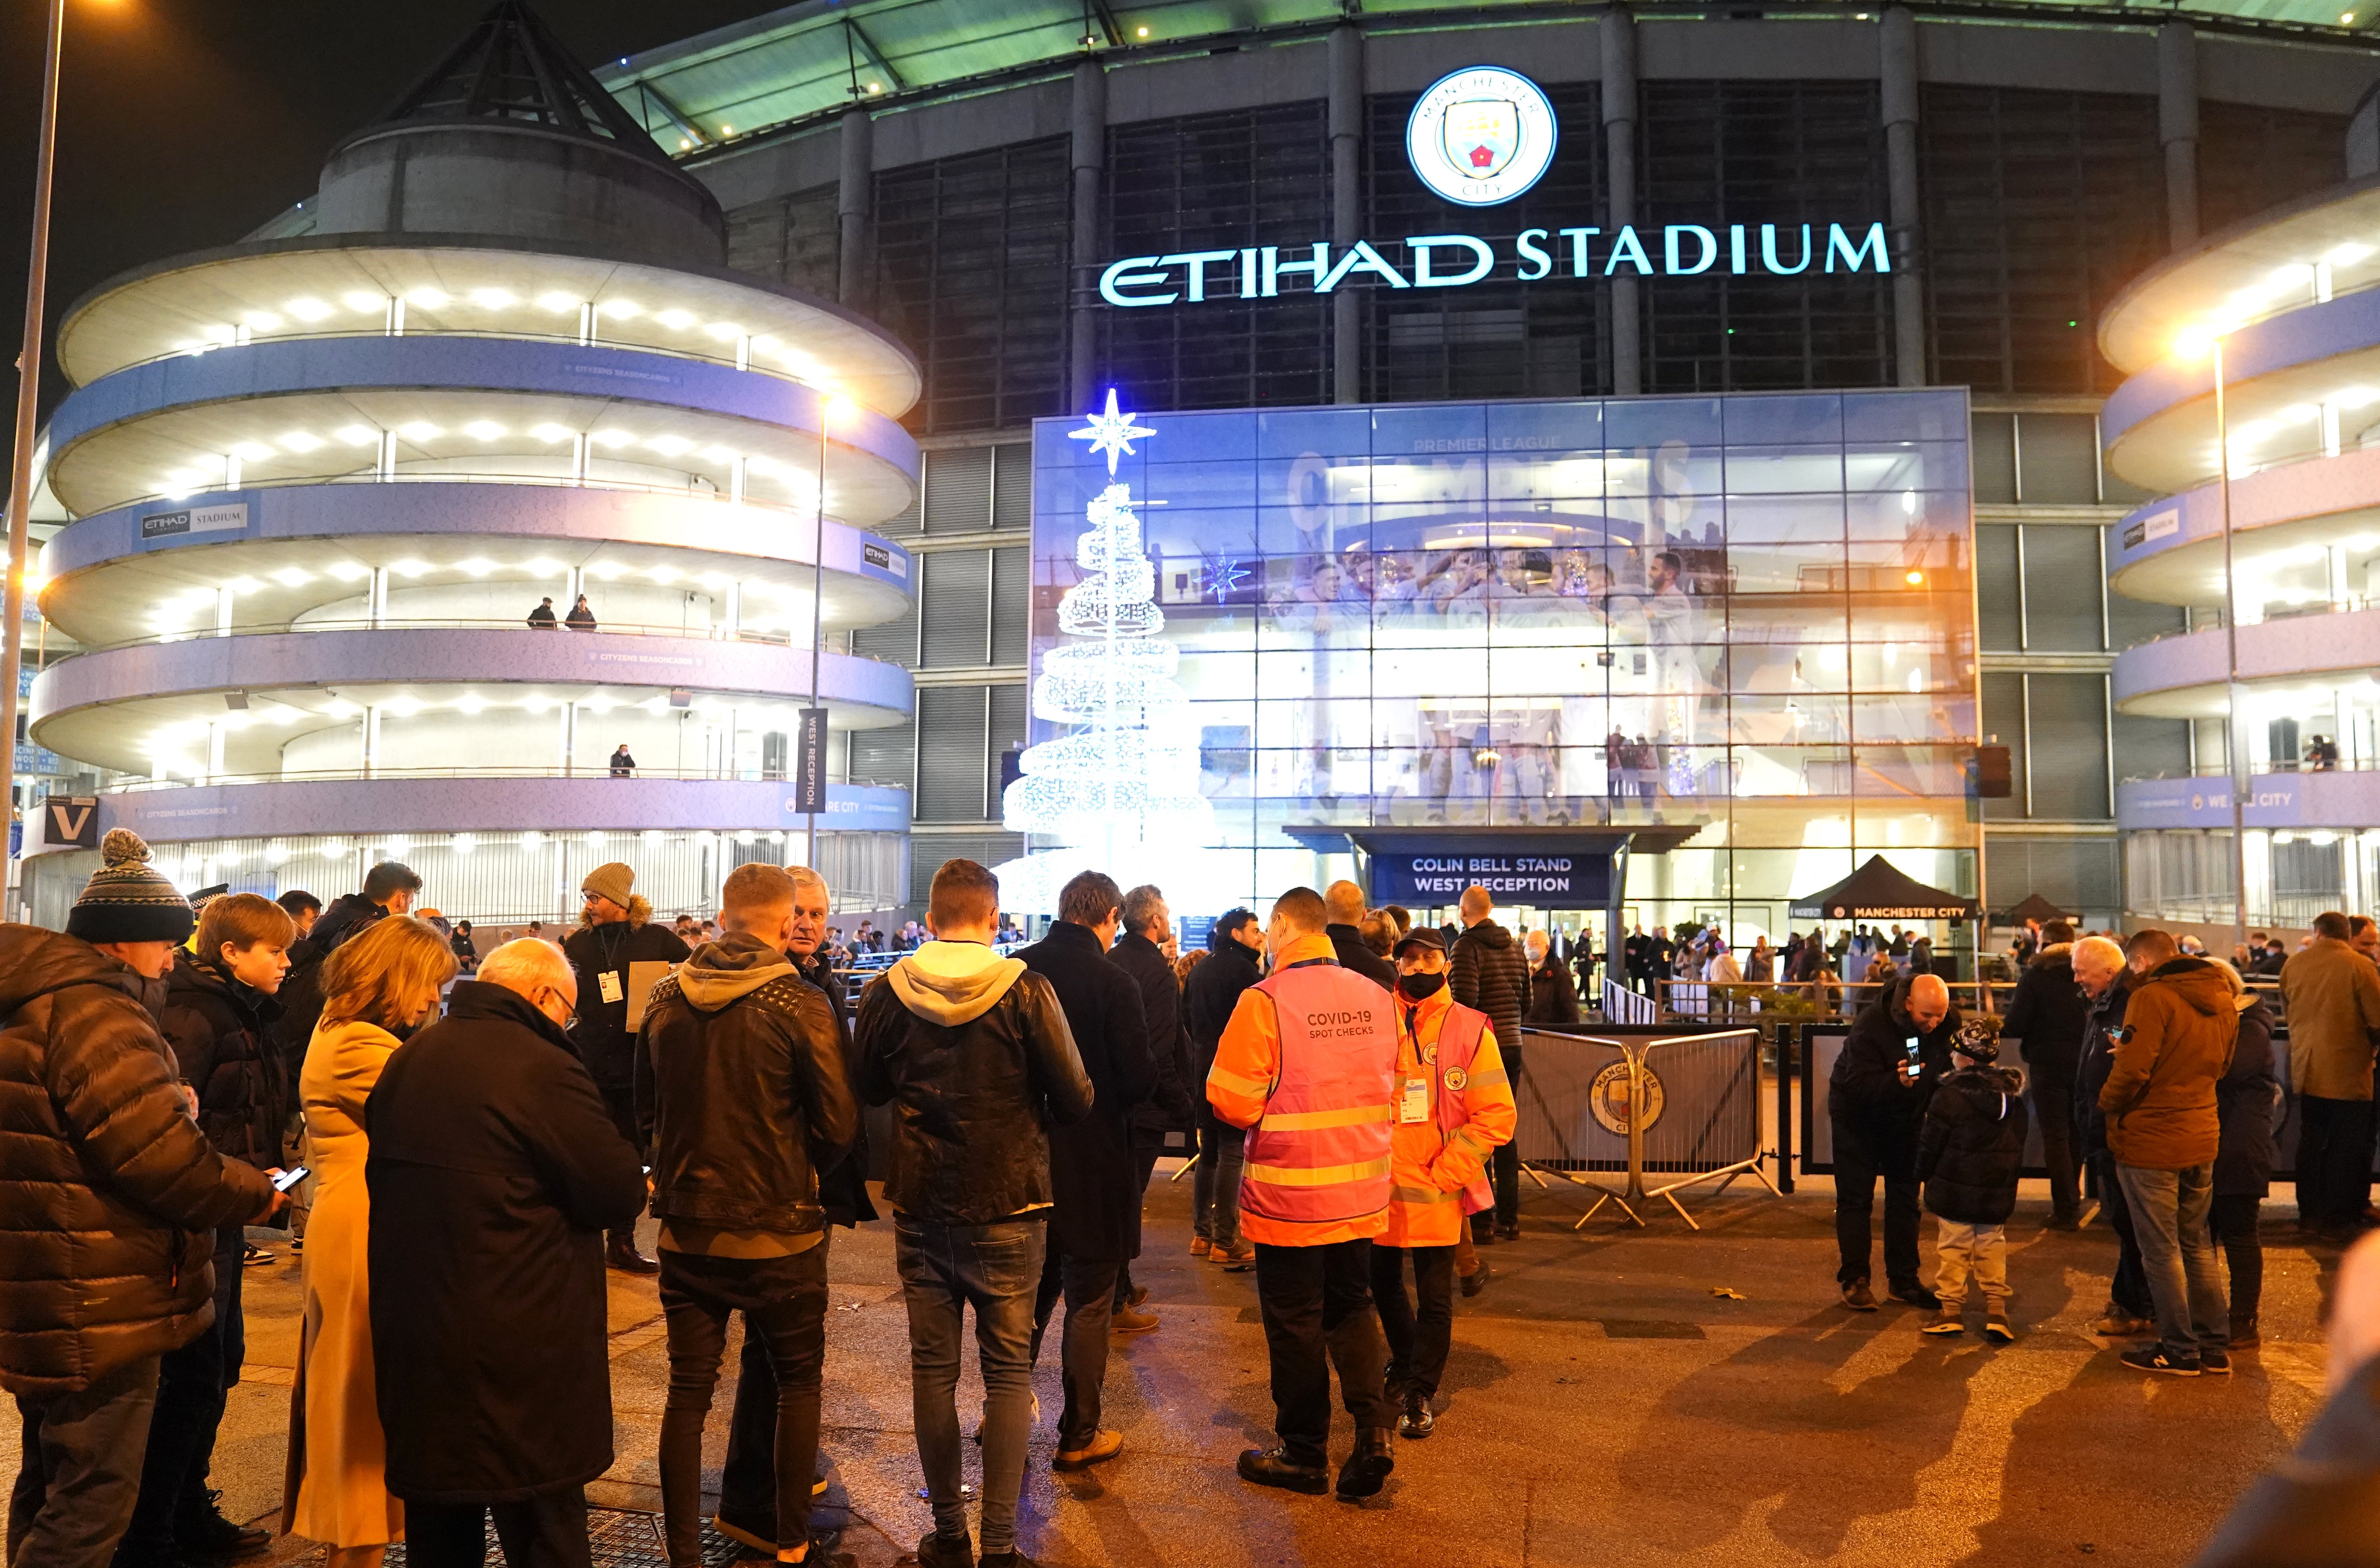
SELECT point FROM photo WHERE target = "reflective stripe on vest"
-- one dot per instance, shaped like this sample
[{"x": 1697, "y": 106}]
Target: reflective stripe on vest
[
  {"x": 1320, "y": 1153},
  {"x": 1458, "y": 1041}
]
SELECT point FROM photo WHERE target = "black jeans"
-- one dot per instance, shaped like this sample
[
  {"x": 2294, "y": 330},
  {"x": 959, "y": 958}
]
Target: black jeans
[
  {"x": 80, "y": 1470},
  {"x": 2128, "y": 1291},
  {"x": 1867, "y": 1149},
  {"x": 1089, "y": 1286},
  {"x": 1144, "y": 1157},
  {"x": 193, "y": 1384},
  {"x": 2334, "y": 1159},
  {"x": 1504, "y": 1164},
  {"x": 1317, "y": 1303},
  {"x": 1215, "y": 1184},
  {"x": 2052, "y": 1113},
  {"x": 2233, "y": 1220},
  {"x": 1417, "y": 1342},
  {"x": 620, "y": 1099},
  {"x": 784, "y": 1303},
  {"x": 548, "y": 1531},
  {"x": 747, "y": 1482}
]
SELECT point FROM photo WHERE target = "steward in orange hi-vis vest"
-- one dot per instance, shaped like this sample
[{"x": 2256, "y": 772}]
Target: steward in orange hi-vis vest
[
  {"x": 1307, "y": 1064},
  {"x": 1438, "y": 1163}
]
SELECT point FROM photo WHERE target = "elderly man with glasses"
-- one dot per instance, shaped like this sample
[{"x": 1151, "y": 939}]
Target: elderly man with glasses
[{"x": 619, "y": 955}]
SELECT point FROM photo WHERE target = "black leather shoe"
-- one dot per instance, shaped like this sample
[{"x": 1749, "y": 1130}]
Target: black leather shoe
[
  {"x": 1417, "y": 1422},
  {"x": 1916, "y": 1294},
  {"x": 939, "y": 1551},
  {"x": 207, "y": 1534},
  {"x": 1273, "y": 1467},
  {"x": 1509, "y": 1232},
  {"x": 1473, "y": 1283},
  {"x": 622, "y": 1255},
  {"x": 1367, "y": 1468}
]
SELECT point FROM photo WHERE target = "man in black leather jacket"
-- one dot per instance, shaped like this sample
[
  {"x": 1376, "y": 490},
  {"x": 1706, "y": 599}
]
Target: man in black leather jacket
[
  {"x": 976, "y": 1057},
  {"x": 1898, "y": 1048},
  {"x": 744, "y": 1097},
  {"x": 748, "y": 1479}
]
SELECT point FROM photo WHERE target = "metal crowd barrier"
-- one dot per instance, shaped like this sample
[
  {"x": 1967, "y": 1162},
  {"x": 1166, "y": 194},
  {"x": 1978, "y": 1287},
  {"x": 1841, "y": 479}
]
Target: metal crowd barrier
[
  {"x": 1621, "y": 1005},
  {"x": 1659, "y": 1101}
]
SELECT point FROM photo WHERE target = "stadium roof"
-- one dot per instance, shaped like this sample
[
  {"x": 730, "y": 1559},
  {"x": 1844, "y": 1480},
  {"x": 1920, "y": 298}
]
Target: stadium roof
[{"x": 805, "y": 61}]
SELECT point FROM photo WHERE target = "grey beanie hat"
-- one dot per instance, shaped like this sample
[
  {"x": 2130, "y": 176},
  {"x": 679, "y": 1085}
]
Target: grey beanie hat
[
  {"x": 612, "y": 880},
  {"x": 127, "y": 901}
]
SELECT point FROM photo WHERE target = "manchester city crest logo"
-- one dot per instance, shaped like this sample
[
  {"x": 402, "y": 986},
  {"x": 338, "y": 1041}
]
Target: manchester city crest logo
[{"x": 1481, "y": 135}]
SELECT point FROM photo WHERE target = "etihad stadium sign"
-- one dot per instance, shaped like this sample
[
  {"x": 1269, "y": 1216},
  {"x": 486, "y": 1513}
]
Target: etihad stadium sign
[
  {"x": 1453, "y": 260},
  {"x": 1478, "y": 138}
]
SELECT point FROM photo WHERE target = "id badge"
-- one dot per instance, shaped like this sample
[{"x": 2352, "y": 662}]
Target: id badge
[
  {"x": 608, "y": 982},
  {"x": 1414, "y": 1105}
]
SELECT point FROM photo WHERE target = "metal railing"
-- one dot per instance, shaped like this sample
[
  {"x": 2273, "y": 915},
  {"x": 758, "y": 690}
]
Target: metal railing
[
  {"x": 800, "y": 511},
  {"x": 740, "y": 633},
  {"x": 548, "y": 770}
]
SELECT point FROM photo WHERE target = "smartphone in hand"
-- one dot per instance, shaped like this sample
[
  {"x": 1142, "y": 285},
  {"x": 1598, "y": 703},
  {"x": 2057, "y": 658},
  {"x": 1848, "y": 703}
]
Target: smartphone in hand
[{"x": 290, "y": 1178}]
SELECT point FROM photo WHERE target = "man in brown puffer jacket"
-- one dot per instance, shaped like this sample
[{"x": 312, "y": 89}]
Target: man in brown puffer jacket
[
  {"x": 108, "y": 1216},
  {"x": 2163, "y": 1131}
]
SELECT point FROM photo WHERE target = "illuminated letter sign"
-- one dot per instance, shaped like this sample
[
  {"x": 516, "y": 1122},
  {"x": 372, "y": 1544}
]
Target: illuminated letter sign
[{"x": 1481, "y": 135}]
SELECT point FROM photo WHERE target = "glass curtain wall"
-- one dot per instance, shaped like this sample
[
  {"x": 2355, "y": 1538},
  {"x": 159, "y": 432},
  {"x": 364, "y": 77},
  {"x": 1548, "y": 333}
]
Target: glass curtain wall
[{"x": 1749, "y": 615}]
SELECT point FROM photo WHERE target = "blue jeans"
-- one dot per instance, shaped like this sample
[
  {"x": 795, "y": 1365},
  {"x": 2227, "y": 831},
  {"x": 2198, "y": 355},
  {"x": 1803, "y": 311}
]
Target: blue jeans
[
  {"x": 2168, "y": 1209},
  {"x": 995, "y": 1269}
]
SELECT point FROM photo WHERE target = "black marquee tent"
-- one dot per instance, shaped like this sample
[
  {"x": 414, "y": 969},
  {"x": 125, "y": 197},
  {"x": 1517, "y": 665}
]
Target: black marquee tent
[
  {"x": 1878, "y": 891},
  {"x": 2036, "y": 907}
]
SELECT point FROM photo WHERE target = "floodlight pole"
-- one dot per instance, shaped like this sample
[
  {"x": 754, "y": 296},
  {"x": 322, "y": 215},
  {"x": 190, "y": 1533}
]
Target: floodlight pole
[{"x": 29, "y": 397}]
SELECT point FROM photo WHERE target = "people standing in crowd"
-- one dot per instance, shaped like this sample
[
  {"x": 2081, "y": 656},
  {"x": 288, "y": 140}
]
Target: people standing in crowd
[
  {"x": 390, "y": 888},
  {"x": 302, "y": 908},
  {"x": 1485, "y": 970},
  {"x": 616, "y": 936},
  {"x": 111, "y": 1207},
  {"x": 1143, "y": 951},
  {"x": 494, "y": 1169},
  {"x": 2103, "y": 975},
  {"x": 2047, "y": 1017},
  {"x": 581, "y": 618},
  {"x": 1379, "y": 933},
  {"x": 1760, "y": 963},
  {"x": 1898, "y": 1049},
  {"x": 1453, "y": 1106},
  {"x": 743, "y": 1096},
  {"x": 377, "y": 990},
  {"x": 2330, "y": 995},
  {"x": 2248, "y": 1110},
  {"x": 1552, "y": 998},
  {"x": 1344, "y": 901},
  {"x": 1097, "y": 1209},
  {"x": 542, "y": 619},
  {"x": 1308, "y": 1063},
  {"x": 973, "y": 1053},
  {"x": 1970, "y": 1154},
  {"x": 218, "y": 1020},
  {"x": 1235, "y": 943},
  {"x": 623, "y": 766},
  {"x": 747, "y": 1482},
  {"x": 2163, "y": 1133}
]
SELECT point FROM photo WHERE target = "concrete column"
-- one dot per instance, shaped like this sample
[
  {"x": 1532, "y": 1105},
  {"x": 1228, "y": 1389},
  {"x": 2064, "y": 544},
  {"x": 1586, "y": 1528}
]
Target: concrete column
[
  {"x": 1088, "y": 155},
  {"x": 1346, "y": 208},
  {"x": 376, "y": 611},
  {"x": 2178, "y": 129},
  {"x": 1618, "y": 32},
  {"x": 226, "y": 609},
  {"x": 1897, "y": 67},
  {"x": 854, "y": 204}
]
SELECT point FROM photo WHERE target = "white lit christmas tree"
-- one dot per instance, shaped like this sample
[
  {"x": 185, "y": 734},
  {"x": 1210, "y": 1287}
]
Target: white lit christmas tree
[{"x": 1120, "y": 792}]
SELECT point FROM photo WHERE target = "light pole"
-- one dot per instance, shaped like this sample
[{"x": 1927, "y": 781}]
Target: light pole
[
  {"x": 2190, "y": 345},
  {"x": 829, "y": 406},
  {"x": 28, "y": 397}
]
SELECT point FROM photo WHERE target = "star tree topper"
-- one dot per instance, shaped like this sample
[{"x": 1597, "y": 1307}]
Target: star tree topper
[{"x": 1111, "y": 433}]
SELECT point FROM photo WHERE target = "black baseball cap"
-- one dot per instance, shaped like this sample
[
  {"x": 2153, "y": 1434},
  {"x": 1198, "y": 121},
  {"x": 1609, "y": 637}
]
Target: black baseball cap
[{"x": 1420, "y": 936}]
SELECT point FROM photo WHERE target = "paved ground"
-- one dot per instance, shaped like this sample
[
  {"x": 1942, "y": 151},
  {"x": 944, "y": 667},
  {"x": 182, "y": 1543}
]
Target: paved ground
[{"x": 1604, "y": 1407}]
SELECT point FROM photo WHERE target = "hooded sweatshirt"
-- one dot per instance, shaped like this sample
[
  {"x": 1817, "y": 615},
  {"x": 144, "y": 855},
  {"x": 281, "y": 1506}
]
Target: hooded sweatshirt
[
  {"x": 951, "y": 983},
  {"x": 2159, "y": 1096}
]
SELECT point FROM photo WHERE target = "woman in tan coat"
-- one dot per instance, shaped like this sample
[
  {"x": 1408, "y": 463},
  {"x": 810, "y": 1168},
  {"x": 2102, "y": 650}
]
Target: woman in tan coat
[{"x": 377, "y": 989}]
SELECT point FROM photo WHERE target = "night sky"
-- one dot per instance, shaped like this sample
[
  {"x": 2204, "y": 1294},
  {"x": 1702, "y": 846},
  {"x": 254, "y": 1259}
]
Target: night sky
[{"x": 184, "y": 124}]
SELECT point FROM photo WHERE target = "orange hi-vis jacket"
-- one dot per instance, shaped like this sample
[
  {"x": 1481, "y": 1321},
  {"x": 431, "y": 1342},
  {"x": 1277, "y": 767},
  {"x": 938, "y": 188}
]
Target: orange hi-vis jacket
[
  {"x": 1306, "y": 1064},
  {"x": 1437, "y": 1163}
]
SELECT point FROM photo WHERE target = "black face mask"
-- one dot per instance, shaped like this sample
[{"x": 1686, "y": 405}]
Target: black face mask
[{"x": 1420, "y": 986}]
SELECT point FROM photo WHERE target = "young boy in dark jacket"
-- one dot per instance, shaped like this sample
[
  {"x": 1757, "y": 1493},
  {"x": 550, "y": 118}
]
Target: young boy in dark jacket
[{"x": 1969, "y": 1154}]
